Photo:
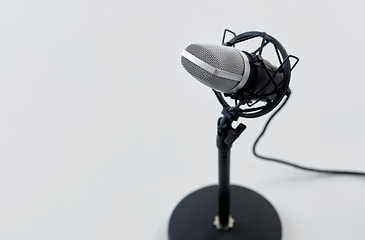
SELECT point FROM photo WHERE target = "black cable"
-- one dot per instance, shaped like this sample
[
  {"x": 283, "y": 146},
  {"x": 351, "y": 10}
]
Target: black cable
[{"x": 292, "y": 164}]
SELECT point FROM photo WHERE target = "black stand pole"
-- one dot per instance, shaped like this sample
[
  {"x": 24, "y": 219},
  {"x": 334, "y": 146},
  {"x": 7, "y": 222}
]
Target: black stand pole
[
  {"x": 223, "y": 188},
  {"x": 253, "y": 217},
  {"x": 224, "y": 157}
]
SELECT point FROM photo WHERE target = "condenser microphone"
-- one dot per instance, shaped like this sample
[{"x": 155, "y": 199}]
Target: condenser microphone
[{"x": 231, "y": 71}]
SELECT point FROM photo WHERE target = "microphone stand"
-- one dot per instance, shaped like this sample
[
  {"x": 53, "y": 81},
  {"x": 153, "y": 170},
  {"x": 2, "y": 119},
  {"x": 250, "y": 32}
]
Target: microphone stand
[{"x": 253, "y": 217}]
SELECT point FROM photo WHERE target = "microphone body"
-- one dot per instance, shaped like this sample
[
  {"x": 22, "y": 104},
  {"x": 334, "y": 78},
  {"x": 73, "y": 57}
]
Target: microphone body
[{"x": 231, "y": 71}]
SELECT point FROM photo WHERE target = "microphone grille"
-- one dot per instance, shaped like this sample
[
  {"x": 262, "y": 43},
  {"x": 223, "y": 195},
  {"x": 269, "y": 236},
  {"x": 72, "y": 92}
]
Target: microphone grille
[{"x": 218, "y": 56}]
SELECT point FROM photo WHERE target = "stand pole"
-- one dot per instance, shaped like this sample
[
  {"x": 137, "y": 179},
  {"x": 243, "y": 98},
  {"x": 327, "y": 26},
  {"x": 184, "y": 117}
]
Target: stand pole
[
  {"x": 224, "y": 187},
  {"x": 224, "y": 157}
]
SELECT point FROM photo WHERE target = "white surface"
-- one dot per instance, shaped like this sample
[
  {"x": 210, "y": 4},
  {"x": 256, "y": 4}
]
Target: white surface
[{"x": 103, "y": 132}]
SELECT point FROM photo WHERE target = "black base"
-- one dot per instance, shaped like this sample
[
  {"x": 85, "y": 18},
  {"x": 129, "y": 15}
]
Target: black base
[{"x": 255, "y": 218}]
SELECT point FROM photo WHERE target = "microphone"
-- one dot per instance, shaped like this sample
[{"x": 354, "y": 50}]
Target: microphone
[
  {"x": 257, "y": 87},
  {"x": 232, "y": 71}
]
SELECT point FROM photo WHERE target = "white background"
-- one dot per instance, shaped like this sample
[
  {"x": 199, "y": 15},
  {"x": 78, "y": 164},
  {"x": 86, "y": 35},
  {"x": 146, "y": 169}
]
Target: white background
[{"x": 102, "y": 132}]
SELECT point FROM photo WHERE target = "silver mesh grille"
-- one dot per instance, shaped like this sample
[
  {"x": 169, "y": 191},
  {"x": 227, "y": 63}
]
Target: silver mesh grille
[
  {"x": 208, "y": 79},
  {"x": 221, "y": 57}
]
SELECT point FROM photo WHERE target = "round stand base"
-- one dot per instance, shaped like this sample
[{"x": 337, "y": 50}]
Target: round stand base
[{"x": 254, "y": 217}]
